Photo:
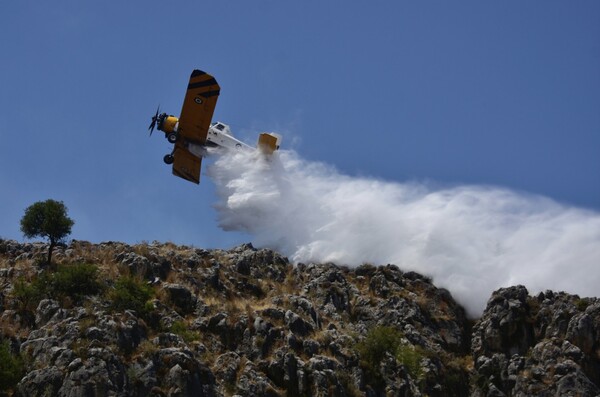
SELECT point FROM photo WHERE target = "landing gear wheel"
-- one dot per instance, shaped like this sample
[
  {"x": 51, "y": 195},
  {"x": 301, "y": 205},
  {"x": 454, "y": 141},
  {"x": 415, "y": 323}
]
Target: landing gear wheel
[
  {"x": 172, "y": 137},
  {"x": 168, "y": 159}
]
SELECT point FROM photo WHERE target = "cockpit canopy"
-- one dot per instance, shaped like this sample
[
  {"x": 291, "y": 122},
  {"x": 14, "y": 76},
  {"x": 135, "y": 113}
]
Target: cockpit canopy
[{"x": 224, "y": 128}]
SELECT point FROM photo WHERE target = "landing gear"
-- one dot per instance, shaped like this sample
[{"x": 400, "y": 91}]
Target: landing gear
[
  {"x": 172, "y": 137},
  {"x": 168, "y": 159}
]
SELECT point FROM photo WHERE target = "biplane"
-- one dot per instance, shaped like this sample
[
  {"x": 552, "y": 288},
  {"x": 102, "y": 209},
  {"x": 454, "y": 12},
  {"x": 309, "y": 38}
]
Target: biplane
[{"x": 193, "y": 134}]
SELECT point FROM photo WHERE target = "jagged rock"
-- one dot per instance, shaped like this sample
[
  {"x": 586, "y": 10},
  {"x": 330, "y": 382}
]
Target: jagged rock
[
  {"x": 226, "y": 367},
  {"x": 40, "y": 382},
  {"x": 137, "y": 264},
  {"x": 45, "y": 310},
  {"x": 142, "y": 377},
  {"x": 169, "y": 339},
  {"x": 40, "y": 348},
  {"x": 252, "y": 382},
  {"x": 398, "y": 381},
  {"x": 260, "y": 264},
  {"x": 297, "y": 324},
  {"x": 101, "y": 374},
  {"x": 130, "y": 333},
  {"x": 304, "y": 305},
  {"x": 330, "y": 288},
  {"x": 259, "y": 326},
  {"x": 217, "y": 322},
  {"x": 311, "y": 347},
  {"x": 186, "y": 376},
  {"x": 181, "y": 297},
  {"x": 323, "y": 375},
  {"x": 140, "y": 265},
  {"x": 95, "y": 333},
  {"x": 537, "y": 346},
  {"x": 62, "y": 356},
  {"x": 274, "y": 313},
  {"x": 505, "y": 325},
  {"x": 584, "y": 329}
]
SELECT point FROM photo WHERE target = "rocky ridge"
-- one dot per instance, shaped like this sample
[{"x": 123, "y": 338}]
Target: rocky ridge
[{"x": 246, "y": 322}]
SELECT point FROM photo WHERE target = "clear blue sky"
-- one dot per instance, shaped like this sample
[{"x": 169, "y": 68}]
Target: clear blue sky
[{"x": 470, "y": 92}]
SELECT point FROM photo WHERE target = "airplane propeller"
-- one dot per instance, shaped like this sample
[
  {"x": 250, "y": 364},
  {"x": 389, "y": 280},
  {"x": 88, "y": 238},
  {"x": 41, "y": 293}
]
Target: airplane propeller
[{"x": 154, "y": 119}]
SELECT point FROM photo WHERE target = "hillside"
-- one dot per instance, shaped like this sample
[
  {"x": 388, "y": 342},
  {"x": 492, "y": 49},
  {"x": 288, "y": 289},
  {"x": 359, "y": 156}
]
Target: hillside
[{"x": 165, "y": 320}]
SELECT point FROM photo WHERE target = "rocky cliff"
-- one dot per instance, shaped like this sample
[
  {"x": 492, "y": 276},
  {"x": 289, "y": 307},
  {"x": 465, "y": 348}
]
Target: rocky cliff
[{"x": 112, "y": 319}]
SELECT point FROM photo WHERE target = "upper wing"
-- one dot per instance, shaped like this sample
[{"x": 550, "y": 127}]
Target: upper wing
[
  {"x": 185, "y": 164},
  {"x": 198, "y": 107}
]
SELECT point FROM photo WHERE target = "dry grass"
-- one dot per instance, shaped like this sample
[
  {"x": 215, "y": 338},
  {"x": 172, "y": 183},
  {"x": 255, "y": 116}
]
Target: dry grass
[
  {"x": 236, "y": 306},
  {"x": 145, "y": 349}
]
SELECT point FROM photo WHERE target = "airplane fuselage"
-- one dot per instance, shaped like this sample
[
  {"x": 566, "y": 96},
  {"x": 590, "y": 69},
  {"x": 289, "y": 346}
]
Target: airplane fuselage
[{"x": 219, "y": 135}]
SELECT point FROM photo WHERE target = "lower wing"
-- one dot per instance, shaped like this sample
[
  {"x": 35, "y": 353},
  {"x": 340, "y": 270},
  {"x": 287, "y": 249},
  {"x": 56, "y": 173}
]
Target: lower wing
[{"x": 186, "y": 165}]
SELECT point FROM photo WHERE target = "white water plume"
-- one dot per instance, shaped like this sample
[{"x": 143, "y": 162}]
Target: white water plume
[{"x": 469, "y": 239}]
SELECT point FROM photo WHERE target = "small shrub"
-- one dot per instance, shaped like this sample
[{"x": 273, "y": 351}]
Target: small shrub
[
  {"x": 382, "y": 340},
  {"x": 456, "y": 377},
  {"x": 81, "y": 348},
  {"x": 146, "y": 348},
  {"x": 372, "y": 349},
  {"x": 411, "y": 357},
  {"x": 180, "y": 328},
  {"x": 347, "y": 384},
  {"x": 85, "y": 324},
  {"x": 29, "y": 294},
  {"x": 582, "y": 304},
  {"x": 11, "y": 368},
  {"x": 379, "y": 340},
  {"x": 75, "y": 281},
  {"x": 69, "y": 281},
  {"x": 3, "y": 246},
  {"x": 131, "y": 293}
]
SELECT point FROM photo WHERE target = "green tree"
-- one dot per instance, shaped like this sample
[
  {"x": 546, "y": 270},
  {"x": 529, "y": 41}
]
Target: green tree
[{"x": 47, "y": 219}]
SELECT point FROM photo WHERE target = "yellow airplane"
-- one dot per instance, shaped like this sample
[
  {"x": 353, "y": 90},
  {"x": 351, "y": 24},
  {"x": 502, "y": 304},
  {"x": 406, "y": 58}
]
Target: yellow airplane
[{"x": 192, "y": 134}]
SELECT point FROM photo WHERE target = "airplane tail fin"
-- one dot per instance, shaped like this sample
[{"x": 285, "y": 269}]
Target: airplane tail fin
[{"x": 268, "y": 142}]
